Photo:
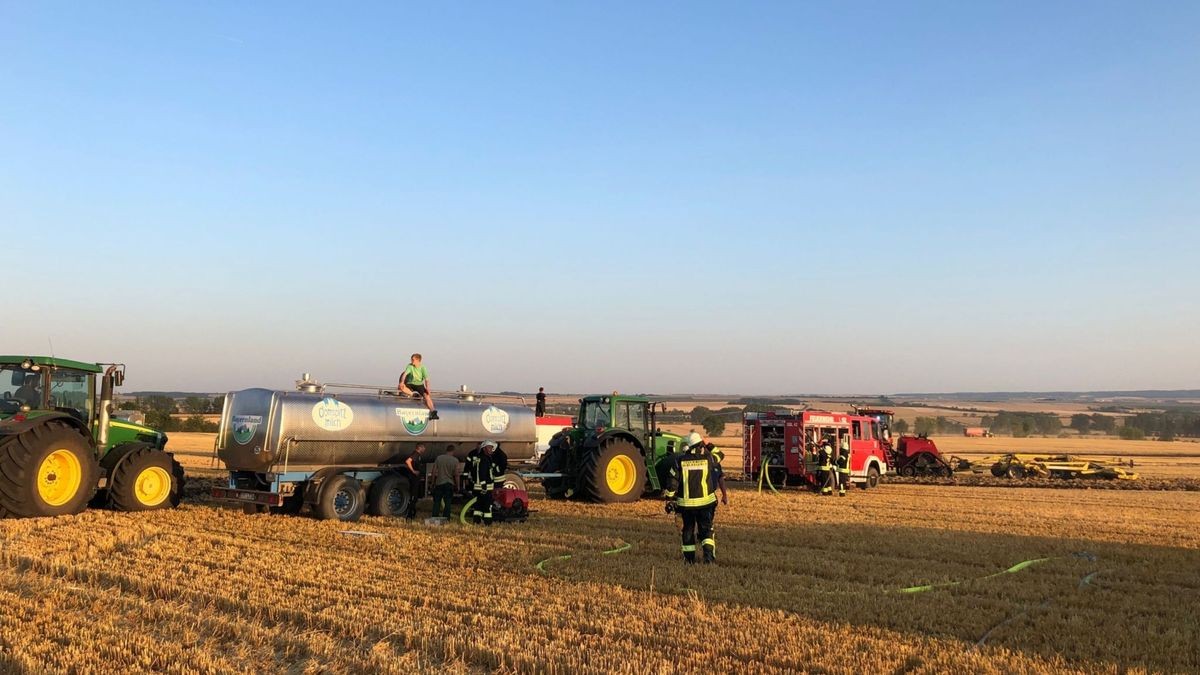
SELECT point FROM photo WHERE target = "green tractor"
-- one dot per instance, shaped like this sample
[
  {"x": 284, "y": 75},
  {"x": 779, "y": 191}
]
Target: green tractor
[
  {"x": 61, "y": 449},
  {"x": 613, "y": 453}
]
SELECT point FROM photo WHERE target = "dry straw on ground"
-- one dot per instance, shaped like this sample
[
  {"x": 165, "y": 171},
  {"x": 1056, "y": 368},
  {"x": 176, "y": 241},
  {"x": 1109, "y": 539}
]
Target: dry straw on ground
[{"x": 803, "y": 584}]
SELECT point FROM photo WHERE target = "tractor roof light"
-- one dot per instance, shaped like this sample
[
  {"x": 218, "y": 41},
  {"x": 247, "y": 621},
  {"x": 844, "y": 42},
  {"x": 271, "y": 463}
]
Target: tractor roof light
[{"x": 26, "y": 364}]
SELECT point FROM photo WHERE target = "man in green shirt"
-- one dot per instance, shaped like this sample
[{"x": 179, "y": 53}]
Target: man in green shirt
[{"x": 415, "y": 381}]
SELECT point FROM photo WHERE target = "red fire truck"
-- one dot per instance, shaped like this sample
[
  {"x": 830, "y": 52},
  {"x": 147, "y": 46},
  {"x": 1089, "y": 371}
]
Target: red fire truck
[{"x": 787, "y": 443}]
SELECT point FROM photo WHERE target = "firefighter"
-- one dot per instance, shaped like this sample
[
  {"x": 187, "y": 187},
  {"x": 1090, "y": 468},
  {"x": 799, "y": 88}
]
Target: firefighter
[
  {"x": 825, "y": 474},
  {"x": 692, "y": 490},
  {"x": 843, "y": 466},
  {"x": 483, "y": 475}
]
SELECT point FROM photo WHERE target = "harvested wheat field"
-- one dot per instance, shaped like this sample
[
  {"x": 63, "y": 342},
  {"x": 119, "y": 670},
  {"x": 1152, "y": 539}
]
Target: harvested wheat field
[{"x": 802, "y": 583}]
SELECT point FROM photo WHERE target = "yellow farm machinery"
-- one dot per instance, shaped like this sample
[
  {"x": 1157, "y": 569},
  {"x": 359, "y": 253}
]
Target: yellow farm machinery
[{"x": 1015, "y": 465}]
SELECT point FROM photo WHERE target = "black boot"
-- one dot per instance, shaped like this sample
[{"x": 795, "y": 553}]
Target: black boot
[
  {"x": 689, "y": 558},
  {"x": 433, "y": 414},
  {"x": 710, "y": 556}
]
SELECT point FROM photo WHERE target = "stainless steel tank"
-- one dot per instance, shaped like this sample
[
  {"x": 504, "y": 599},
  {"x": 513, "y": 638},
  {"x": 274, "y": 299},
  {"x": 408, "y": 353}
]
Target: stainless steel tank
[{"x": 265, "y": 430}]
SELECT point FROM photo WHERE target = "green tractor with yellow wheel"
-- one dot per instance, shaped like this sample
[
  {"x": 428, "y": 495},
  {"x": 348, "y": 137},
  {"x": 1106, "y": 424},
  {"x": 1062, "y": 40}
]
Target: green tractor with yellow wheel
[
  {"x": 61, "y": 450},
  {"x": 614, "y": 452}
]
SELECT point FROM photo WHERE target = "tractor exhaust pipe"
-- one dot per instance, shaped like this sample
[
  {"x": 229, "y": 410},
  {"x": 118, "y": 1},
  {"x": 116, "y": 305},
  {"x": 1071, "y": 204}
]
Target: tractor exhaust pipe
[{"x": 106, "y": 406}]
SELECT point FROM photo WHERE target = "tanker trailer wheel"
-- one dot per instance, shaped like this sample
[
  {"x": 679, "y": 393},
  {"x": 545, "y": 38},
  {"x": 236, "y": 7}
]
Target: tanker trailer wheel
[
  {"x": 340, "y": 498},
  {"x": 147, "y": 479},
  {"x": 389, "y": 496},
  {"x": 614, "y": 472},
  {"x": 49, "y": 470}
]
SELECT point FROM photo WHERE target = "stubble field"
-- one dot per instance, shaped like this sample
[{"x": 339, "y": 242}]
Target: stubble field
[{"x": 803, "y": 583}]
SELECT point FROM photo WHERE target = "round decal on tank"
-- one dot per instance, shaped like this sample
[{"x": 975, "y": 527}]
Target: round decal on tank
[
  {"x": 495, "y": 420},
  {"x": 415, "y": 420},
  {"x": 244, "y": 427},
  {"x": 331, "y": 414}
]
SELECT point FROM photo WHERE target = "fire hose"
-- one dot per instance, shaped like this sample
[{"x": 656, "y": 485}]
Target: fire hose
[
  {"x": 764, "y": 474},
  {"x": 541, "y": 566}
]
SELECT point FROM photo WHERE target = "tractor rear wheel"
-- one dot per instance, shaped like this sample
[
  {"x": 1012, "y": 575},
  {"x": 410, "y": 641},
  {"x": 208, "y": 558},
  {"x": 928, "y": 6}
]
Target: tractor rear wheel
[
  {"x": 614, "y": 472},
  {"x": 340, "y": 498},
  {"x": 49, "y": 470},
  {"x": 389, "y": 496},
  {"x": 147, "y": 479}
]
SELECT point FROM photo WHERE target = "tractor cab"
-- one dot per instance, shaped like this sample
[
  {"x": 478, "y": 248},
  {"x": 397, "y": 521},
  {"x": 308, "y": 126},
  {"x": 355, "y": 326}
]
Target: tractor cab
[{"x": 32, "y": 387}]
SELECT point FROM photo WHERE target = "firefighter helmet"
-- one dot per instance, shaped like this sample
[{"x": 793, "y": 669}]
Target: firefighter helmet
[{"x": 691, "y": 440}]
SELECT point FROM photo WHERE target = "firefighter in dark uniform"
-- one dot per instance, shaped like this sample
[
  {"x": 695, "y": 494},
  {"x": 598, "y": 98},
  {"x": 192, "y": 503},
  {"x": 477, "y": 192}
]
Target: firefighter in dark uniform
[
  {"x": 825, "y": 467},
  {"x": 843, "y": 466},
  {"x": 483, "y": 474},
  {"x": 694, "y": 480}
]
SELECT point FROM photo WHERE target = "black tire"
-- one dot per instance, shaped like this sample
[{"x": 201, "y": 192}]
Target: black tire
[
  {"x": 601, "y": 466},
  {"x": 872, "y": 477},
  {"x": 21, "y": 460},
  {"x": 389, "y": 496},
  {"x": 998, "y": 470},
  {"x": 136, "y": 483},
  {"x": 907, "y": 471},
  {"x": 1015, "y": 471},
  {"x": 340, "y": 498}
]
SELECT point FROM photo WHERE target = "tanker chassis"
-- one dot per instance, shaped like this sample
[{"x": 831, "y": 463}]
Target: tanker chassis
[{"x": 341, "y": 453}]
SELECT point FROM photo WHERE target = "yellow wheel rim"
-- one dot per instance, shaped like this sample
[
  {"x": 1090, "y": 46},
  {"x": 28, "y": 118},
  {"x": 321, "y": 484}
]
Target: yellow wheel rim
[
  {"x": 153, "y": 486},
  {"x": 620, "y": 474},
  {"x": 59, "y": 477}
]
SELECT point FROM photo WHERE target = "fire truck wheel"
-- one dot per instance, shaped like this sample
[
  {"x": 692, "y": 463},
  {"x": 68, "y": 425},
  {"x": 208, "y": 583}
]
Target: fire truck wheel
[
  {"x": 872, "y": 477},
  {"x": 614, "y": 472},
  {"x": 340, "y": 498}
]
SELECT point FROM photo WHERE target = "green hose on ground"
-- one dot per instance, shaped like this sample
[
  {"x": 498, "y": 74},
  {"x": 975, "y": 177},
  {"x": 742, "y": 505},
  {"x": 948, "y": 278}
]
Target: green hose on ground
[
  {"x": 1024, "y": 564},
  {"x": 541, "y": 566}
]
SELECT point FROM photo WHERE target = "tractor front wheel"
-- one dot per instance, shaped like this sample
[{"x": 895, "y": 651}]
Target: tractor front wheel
[
  {"x": 147, "y": 479},
  {"x": 614, "y": 472},
  {"x": 49, "y": 470}
]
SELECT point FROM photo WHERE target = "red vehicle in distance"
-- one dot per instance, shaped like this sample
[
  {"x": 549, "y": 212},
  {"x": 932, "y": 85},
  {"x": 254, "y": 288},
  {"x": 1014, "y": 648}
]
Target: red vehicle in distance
[{"x": 786, "y": 443}]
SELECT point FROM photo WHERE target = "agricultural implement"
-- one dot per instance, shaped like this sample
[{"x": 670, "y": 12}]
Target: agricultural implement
[
  {"x": 1015, "y": 465},
  {"x": 341, "y": 453},
  {"x": 909, "y": 455},
  {"x": 615, "y": 452},
  {"x": 61, "y": 449}
]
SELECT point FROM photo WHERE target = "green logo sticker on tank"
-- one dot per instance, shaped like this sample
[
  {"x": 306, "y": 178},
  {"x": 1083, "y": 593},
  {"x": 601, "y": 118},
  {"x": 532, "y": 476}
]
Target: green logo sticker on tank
[
  {"x": 415, "y": 420},
  {"x": 244, "y": 427},
  {"x": 495, "y": 420},
  {"x": 331, "y": 414}
]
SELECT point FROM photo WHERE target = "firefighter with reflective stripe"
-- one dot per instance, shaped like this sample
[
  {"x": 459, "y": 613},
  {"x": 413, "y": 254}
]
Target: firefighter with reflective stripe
[
  {"x": 825, "y": 466},
  {"x": 843, "y": 466},
  {"x": 695, "y": 477},
  {"x": 483, "y": 474}
]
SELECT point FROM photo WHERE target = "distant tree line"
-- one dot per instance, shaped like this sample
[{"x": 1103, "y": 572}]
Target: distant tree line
[
  {"x": 1023, "y": 424},
  {"x": 160, "y": 410},
  {"x": 926, "y": 426},
  {"x": 1166, "y": 426}
]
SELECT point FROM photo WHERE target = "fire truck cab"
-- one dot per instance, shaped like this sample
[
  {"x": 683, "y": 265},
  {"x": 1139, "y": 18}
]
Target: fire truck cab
[{"x": 787, "y": 444}]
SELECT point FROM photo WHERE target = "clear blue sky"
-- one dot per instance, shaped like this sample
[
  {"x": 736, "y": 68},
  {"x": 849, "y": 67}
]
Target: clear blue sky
[{"x": 730, "y": 197}]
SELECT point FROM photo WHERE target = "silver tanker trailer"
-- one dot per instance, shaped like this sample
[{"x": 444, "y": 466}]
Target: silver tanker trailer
[{"x": 339, "y": 452}]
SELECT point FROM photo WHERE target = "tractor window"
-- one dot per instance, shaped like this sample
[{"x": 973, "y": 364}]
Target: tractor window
[
  {"x": 20, "y": 387},
  {"x": 637, "y": 417},
  {"x": 70, "y": 390},
  {"x": 595, "y": 415}
]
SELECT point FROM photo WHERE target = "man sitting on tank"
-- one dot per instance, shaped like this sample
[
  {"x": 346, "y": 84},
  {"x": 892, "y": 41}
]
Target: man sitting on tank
[{"x": 415, "y": 382}]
